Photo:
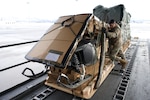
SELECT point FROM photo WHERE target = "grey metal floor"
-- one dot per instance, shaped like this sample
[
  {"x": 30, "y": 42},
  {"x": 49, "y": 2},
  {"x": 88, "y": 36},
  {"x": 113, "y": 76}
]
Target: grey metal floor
[{"x": 139, "y": 84}]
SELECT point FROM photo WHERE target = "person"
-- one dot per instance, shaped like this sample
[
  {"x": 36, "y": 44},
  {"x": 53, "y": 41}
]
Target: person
[{"x": 115, "y": 44}]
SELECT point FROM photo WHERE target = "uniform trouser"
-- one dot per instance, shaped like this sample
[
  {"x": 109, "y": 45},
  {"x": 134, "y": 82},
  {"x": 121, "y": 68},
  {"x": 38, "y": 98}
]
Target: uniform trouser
[
  {"x": 115, "y": 52},
  {"x": 121, "y": 54}
]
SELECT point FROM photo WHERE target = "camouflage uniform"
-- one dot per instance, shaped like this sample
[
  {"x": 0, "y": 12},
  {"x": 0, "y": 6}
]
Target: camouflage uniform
[{"x": 115, "y": 44}]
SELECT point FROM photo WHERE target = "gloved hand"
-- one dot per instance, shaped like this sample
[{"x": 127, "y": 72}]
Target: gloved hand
[{"x": 104, "y": 30}]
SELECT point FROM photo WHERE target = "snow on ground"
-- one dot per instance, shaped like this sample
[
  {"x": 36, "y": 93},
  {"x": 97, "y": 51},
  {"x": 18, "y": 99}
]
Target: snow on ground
[
  {"x": 141, "y": 30},
  {"x": 16, "y": 33},
  {"x": 22, "y": 32}
]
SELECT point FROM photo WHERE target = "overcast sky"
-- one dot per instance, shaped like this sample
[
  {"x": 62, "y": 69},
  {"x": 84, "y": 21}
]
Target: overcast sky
[{"x": 52, "y": 9}]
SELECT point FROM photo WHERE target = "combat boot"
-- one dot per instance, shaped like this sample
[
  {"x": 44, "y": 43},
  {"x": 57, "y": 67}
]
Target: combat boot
[{"x": 122, "y": 71}]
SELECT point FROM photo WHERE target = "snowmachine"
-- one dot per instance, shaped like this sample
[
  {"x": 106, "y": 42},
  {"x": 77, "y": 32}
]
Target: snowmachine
[{"x": 74, "y": 49}]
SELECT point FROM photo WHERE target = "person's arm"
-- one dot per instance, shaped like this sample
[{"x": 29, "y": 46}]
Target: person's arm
[{"x": 113, "y": 34}]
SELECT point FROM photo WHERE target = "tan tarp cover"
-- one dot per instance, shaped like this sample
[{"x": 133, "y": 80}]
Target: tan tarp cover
[{"x": 57, "y": 44}]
